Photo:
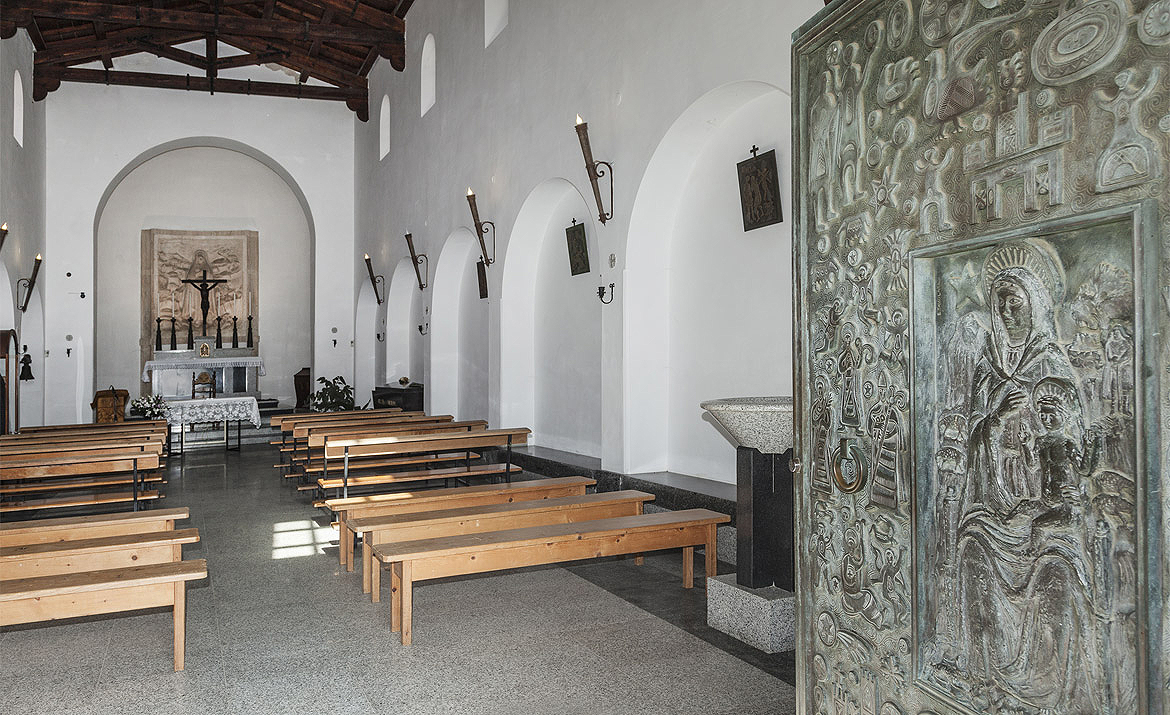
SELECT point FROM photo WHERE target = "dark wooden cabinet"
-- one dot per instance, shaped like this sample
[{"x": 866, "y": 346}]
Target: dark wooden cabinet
[{"x": 409, "y": 398}]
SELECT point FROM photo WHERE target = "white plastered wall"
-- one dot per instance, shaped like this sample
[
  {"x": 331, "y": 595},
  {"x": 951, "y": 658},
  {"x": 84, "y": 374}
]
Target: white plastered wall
[
  {"x": 503, "y": 123},
  {"x": 97, "y": 131},
  {"x": 22, "y": 207}
]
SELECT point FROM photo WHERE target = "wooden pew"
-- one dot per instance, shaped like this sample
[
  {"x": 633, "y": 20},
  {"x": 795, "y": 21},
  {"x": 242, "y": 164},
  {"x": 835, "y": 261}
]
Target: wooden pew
[
  {"x": 95, "y": 427},
  {"x": 71, "y": 472},
  {"x": 413, "y": 561},
  {"x": 375, "y": 505},
  {"x": 312, "y": 445},
  {"x": 69, "y": 528},
  {"x": 85, "y": 449},
  {"x": 278, "y": 421},
  {"x": 294, "y": 434},
  {"x": 376, "y": 530},
  {"x": 111, "y": 564},
  {"x": 395, "y": 447},
  {"x": 32, "y": 447}
]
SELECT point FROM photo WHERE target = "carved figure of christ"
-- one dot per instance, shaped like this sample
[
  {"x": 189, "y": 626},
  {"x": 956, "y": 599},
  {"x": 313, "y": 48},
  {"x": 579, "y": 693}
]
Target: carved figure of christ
[{"x": 204, "y": 286}]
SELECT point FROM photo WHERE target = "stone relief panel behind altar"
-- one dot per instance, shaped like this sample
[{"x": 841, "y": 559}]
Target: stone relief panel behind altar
[{"x": 170, "y": 256}]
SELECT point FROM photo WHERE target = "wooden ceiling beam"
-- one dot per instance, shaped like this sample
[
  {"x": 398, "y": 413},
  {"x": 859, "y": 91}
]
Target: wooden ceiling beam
[
  {"x": 298, "y": 60},
  {"x": 197, "y": 83},
  {"x": 250, "y": 58},
  {"x": 351, "y": 10},
  {"x": 21, "y": 12},
  {"x": 116, "y": 44}
]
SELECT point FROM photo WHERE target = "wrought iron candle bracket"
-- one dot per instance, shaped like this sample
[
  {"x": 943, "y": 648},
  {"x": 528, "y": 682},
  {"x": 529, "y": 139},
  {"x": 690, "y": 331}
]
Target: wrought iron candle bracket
[
  {"x": 424, "y": 328},
  {"x": 481, "y": 229},
  {"x": 596, "y": 172},
  {"x": 601, "y": 294},
  {"x": 375, "y": 279},
  {"x": 419, "y": 259},
  {"x": 29, "y": 283},
  {"x": 3, "y": 234}
]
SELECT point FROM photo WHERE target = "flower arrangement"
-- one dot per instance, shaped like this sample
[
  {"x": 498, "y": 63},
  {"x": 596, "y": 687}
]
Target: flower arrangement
[{"x": 153, "y": 407}]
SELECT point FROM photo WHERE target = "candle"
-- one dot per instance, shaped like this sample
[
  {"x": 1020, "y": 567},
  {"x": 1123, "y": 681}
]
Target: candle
[
  {"x": 173, "y": 310},
  {"x": 217, "y": 309},
  {"x": 156, "y": 310},
  {"x": 249, "y": 302}
]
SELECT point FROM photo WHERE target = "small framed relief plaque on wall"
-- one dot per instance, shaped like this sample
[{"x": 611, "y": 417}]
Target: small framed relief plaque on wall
[
  {"x": 759, "y": 190},
  {"x": 578, "y": 248}
]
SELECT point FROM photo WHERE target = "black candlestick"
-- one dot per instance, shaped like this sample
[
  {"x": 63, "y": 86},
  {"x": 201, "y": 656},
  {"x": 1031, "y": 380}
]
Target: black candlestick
[
  {"x": 158, "y": 333},
  {"x": 190, "y": 333},
  {"x": 235, "y": 333},
  {"x": 249, "y": 331},
  {"x": 173, "y": 345},
  {"x": 218, "y": 332}
]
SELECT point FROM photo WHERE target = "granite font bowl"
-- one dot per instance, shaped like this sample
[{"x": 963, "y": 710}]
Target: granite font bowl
[{"x": 761, "y": 422}]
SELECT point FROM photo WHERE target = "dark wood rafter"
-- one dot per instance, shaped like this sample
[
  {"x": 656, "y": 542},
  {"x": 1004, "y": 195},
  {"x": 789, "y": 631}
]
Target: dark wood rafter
[{"x": 335, "y": 42}]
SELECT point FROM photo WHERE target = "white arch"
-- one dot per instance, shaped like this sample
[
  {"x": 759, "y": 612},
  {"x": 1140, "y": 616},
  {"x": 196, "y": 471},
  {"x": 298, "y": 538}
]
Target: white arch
[
  {"x": 365, "y": 326},
  {"x": 546, "y": 211},
  {"x": 445, "y": 387},
  {"x": 495, "y": 19},
  {"x": 656, "y": 206},
  {"x": 426, "y": 66},
  {"x": 400, "y": 324}
]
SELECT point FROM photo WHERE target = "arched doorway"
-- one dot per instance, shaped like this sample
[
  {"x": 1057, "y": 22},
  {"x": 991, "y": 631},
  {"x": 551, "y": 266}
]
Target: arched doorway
[
  {"x": 550, "y": 325},
  {"x": 704, "y": 307},
  {"x": 401, "y": 330},
  {"x": 365, "y": 344},
  {"x": 458, "y": 382}
]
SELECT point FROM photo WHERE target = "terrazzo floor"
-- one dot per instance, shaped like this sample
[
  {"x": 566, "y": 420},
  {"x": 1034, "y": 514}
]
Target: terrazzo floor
[{"x": 277, "y": 628}]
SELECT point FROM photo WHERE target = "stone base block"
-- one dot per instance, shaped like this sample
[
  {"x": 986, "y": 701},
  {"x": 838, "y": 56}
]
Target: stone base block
[{"x": 764, "y": 618}]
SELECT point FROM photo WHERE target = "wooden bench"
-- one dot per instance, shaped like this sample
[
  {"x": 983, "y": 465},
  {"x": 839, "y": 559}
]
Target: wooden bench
[
  {"x": 374, "y": 505},
  {"x": 375, "y": 530},
  {"x": 65, "y": 568},
  {"x": 413, "y": 561},
  {"x": 69, "y": 528},
  {"x": 308, "y": 446},
  {"x": 279, "y": 421},
  {"x": 295, "y": 439},
  {"x": 71, "y": 472},
  {"x": 393, "y": 447},
  {"x": 95, "y": 427}
]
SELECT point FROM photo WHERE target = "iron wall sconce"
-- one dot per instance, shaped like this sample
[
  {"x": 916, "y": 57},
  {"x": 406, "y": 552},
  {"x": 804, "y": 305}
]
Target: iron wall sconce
[
  {"x": 374, "y": 279},
  {"x": 418, "y": 259},
  {"x": 29, "y": 283},
  {"x": 595, "y": 171},
  {"x": 601, "y": 294},
  {"x": 424, "y": 328},
  {"x": 3, "y": 234},
  {"x": 481, "y": 229}
]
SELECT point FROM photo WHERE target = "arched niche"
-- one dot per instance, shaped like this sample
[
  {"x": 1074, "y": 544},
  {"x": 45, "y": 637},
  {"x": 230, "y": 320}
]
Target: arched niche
[
  {"x": 204, "y": 183},
  {"x": 32, "y": 334},
  {"x": 401, "y": 326},
  {"x": 365, "y": 344},
  {"x": 458, "y": 382},
  {"x": 426, "y": 66},
  {"x": 550, "y": 325},
  {"x": 705, "y": 301},
  {"x": 8, "y": 314},
  {"x": 384, "y": 128}
]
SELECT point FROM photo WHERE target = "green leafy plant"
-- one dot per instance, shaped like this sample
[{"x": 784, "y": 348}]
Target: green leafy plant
[
  {"x": 153, "y": 407},
  {"x": 334, "y": 396}
]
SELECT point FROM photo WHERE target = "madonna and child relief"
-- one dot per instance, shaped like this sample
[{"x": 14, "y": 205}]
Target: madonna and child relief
[{"x": 1026, "y": 471}]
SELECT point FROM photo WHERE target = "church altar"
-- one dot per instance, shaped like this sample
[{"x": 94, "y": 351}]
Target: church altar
[
  {"x": 215, "y": 409},
  {"x": 198, "y": 364},
  {"x": 236, "y": 373}
]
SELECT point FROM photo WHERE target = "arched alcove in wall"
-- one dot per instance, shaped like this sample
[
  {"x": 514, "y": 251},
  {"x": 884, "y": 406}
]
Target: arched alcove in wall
[
  {"x": 204, "y": 183},
  {"x": 365, "y": 344},
  {"x": 458, "y": 382},
  {"x": 401, "y": 332},
  {"x": 707, "y": 306},
  {"x": 550, "y": 325},
  {"x": 32, "y": 334},
  {"x": 7, "y": 317}
]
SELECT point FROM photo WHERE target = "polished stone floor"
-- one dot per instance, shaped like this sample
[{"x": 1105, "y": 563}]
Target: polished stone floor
[{"x": 276, "y": 628}]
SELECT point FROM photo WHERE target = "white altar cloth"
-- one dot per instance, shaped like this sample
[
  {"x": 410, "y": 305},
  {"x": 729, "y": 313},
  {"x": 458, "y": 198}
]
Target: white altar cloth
[
  {"x": 215, "y": 409},
  {"x": 201, "y": 364}
]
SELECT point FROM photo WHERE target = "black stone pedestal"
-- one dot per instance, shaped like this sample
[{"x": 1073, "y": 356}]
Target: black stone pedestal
[{"x": 763, "y": 517}]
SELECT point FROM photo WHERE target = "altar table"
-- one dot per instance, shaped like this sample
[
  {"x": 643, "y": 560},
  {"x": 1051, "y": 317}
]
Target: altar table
[{"x": 214, "y": 409}]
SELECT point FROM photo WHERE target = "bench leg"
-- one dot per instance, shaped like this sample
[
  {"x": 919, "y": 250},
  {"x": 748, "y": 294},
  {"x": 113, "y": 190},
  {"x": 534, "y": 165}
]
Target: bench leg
[
  {"x": 367, "y": 562},
  {"x": 711, "y": 566},
  {"x": 376, "y": 582},
  {"x": 180, "y": 624},
  {"x": 395, "y": 597},
  {"x": 406, "y": 604},
  {"x": 638, "y": 558},
  {"x": 344, "y": 540},
  {"x": 688, "y": 567}
]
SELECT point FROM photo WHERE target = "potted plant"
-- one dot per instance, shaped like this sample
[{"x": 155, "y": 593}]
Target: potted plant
[
  {"x": 334, "y": 396},
  {"x": 153, "y": 407}
]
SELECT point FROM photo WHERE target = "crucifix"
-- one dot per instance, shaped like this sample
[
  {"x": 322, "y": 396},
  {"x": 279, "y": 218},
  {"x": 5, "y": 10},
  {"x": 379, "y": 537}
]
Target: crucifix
[{"x": 204, "y": 287}]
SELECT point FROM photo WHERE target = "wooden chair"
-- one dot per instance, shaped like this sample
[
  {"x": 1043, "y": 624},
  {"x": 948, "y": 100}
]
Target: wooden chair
[{"x": 202, "y": 386}]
